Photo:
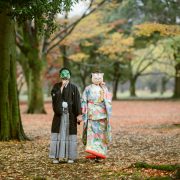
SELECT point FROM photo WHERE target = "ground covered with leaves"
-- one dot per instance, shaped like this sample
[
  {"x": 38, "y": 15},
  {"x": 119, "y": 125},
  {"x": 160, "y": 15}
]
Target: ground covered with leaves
[{"x": 146, "y": 145}]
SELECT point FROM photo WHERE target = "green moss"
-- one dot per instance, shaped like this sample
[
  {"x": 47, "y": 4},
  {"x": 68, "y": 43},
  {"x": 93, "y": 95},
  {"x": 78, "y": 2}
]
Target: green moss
[
  {"x": 159, "y": 178},
  {"x": 177, "y": 174},
  {"x": 168, "y": 126},
  {"x": 159, "y": 167},
  {"x": 176, "y": 125}
]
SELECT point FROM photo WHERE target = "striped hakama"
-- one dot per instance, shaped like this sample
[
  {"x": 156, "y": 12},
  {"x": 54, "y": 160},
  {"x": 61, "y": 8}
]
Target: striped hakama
[{"x": 63, "y": 145}]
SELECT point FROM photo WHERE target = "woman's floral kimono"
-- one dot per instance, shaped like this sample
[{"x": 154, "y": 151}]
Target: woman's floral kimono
[{"x": 96, "y": 111}]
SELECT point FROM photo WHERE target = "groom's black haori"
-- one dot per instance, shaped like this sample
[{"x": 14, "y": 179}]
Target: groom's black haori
[{"x": 71, "y": 95}]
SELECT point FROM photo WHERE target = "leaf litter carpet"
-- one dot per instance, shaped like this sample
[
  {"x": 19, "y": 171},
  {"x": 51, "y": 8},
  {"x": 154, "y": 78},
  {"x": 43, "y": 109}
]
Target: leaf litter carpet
[{"x": 142, "y": 131}]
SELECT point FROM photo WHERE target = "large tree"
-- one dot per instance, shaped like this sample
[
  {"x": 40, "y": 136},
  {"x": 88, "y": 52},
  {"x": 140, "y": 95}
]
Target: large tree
[
  {"x": 163, "y": 31},
  {"x": 118, "y": 48},
  {"x": 138, "y": 12},
  {"x": 36, "y": 47},
  {"x": 10, "y": 120}
]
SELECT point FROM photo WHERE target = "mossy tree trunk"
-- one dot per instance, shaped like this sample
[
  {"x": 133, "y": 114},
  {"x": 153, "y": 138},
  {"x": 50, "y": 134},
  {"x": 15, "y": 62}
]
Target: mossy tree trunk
[
  {"x": 23, "y": 61},
  {"x": 35, "y": 63},
  {"x": 10, "y": 120},
  {"x": 35, "y": 96}
]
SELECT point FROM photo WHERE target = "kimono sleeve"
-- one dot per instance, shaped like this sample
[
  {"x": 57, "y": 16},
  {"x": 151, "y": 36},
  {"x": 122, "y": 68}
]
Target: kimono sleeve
[
  {"x": 108, "y": 101},
  {"x": 84, "y": 105},
  {"x": 56, "y": 99}
]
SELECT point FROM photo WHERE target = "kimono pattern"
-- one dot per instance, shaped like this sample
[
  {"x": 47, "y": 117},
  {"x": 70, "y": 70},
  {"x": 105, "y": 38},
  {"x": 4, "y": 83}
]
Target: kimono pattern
[{"x": 96, "y": 112}]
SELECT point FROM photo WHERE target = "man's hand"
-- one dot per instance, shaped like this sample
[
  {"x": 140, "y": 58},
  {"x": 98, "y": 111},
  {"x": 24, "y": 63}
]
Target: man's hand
[
  {"x": 65, "y": 82},
  {"x": 79, "y": 119}
]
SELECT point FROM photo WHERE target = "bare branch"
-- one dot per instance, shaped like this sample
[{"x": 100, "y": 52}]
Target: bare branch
[
  {"x": 165, "y": 63},
  {"x": 138, "y": 71},
  {"x": 157, "y": 73},
  {"x": 22, "y": 48},
  {"x": 143, "y": 69},
  {"x": 142, "y": 61},
  {"x": 71, "y": 27},
  {"x": 19, "y": 38},
  {"x": 150, "y": 63}
]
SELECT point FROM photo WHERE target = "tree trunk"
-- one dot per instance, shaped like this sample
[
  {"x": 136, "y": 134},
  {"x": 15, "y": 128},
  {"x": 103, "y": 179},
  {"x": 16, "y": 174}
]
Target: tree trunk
[
  {"x": 33, "y": 73},
  {"x": 115, "y": 88},
  {"x": 33, "y": 68},
  {"x": 116, "y": 79},
  {"x": 23, "y": 61},
  {"x": 35, "y": 91},
  {"x": 177, "y": 82},
  {"x": 83, "y": 82},
  {"x": 164, "y": 81},
  {"x": 82, "y": 75},
  {"x": 10, "y": 120},
  {"x": 132, "y": 87},
  {"x": 63, "y": 50}
]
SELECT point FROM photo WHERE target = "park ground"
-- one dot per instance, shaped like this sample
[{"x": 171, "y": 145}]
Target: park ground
[{"x": 145, "y": 145}]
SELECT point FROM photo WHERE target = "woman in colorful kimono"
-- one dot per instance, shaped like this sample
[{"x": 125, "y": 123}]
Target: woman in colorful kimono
[
  {"x": 67, "y": 112},
  {"x": 96, "y": 111}
]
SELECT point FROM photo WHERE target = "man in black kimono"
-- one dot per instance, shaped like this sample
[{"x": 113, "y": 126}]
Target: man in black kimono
[{"x": 67, "y": 113}]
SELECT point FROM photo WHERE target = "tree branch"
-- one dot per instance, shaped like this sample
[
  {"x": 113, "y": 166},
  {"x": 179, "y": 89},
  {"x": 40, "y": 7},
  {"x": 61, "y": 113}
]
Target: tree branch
[
  {"x": 22, "y": 48},
  {"x": 19, "y": 38},
  {"x": 150, "y": 63},
  {"x": 165, "y": 63},
  {"x": 71, "y": 27},
  {"x": 46, "y": 35},
  {"x": 157, "y": 73},
  {"x": 139, "y": 66}
]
